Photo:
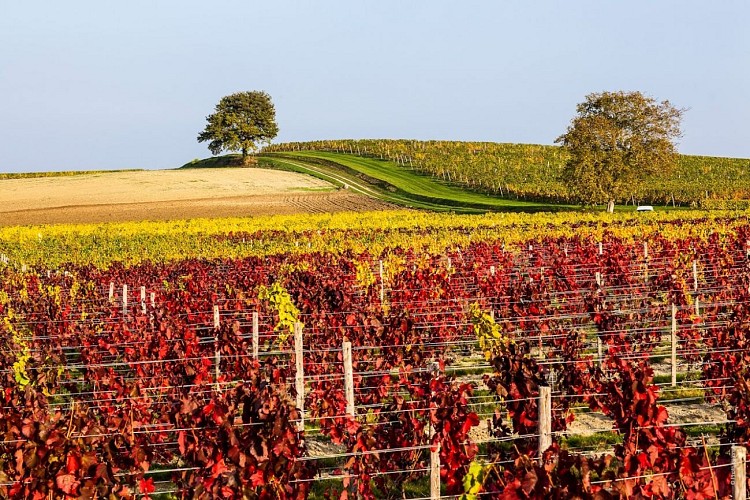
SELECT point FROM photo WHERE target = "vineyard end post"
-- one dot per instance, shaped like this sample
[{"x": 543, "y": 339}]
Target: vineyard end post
[
  {"x": 434, "y": 454},
  {"x": 695, "y": 276},
  {"x": 739, "y": 476},
  {"x": 256, "y": 342},
  {"x": 300, "y": 375},
  {"x": 217, "y": 352},
  {"x": 674, "y": 345},
  {"x": 545, "y": 419},
  {"x": 348, "y": 378}
]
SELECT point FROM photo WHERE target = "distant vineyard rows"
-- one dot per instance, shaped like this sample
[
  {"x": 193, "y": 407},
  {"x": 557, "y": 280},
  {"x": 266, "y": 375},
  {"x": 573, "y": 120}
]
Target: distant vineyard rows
[{"x": 532, "y": 172}]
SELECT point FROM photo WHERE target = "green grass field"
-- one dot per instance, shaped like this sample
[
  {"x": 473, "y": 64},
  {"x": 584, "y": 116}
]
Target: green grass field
[{"x": 388, "y": 181}]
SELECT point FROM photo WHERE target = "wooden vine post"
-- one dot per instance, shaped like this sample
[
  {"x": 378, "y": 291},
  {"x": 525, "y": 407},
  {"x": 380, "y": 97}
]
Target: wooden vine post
[
  {"x": 348, "y": 379},
  {"x": 645, "y": 264},
  {"x": 217, "y": 352},
  {"x": 674, "y": 345},
  {"x": 255, "y": 335},
  {"x": 598, "y": 281},
  {"x": 695, "y": 289},
  {"x": 434, "y": 454},
  {"x": 111, "y": 292},
  {"x": 382, "y": 285},
  {"x": 143, "y": 300},
  {"x": 435, "y": 473},
  {"x": 299, "y": 376},
  {"x": 739, "y": 476},
  {"x": 545, "y": 419},
  {"x": 124, "y": 300},
  {"x": 695, "y": 276}
]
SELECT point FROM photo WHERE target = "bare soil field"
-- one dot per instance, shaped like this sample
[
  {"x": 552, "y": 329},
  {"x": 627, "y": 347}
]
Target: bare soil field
[{"x": 170, "y": 194}]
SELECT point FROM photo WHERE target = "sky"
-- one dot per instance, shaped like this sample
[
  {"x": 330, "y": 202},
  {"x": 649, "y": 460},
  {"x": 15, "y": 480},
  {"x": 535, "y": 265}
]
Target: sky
[{"x": 114, "y": 85}]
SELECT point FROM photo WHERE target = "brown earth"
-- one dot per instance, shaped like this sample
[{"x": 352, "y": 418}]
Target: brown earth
[{"x": 171, "y": 194}]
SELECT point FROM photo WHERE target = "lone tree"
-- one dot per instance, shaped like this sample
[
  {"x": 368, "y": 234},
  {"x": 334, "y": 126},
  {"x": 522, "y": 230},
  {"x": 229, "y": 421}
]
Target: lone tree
[
  {"x": 615, "y": 142},
  {"x": 241, "y": 122}
]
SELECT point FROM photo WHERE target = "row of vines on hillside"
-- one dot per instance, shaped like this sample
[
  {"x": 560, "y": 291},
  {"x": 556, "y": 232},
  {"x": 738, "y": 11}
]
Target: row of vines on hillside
[{"x": 532, "y": 172}]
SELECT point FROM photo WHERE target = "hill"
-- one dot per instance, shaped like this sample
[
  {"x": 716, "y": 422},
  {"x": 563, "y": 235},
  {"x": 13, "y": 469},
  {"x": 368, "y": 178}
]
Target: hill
[
  {"x": 389, "y": 182},
  {"x": 531, "y": 172}
]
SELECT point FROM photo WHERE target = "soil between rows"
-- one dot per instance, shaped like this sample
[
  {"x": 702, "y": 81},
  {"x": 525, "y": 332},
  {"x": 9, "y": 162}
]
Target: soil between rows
[
  {"x": 238, "y": 206},
  {"x": 171, "y": 194}
]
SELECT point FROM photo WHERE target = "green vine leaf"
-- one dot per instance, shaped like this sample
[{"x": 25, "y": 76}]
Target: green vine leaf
[{"x": 281, "y": 302}]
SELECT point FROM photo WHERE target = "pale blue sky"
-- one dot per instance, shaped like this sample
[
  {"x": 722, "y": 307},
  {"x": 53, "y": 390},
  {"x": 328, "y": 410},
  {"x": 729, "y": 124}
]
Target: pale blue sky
[{"x": 95, "y": 84}]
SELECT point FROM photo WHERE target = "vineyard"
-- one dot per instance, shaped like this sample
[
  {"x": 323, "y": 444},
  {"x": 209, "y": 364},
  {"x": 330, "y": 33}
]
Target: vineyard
[
  {"x": 532, "y": 172},
  {"x": 599, "y": 359},
  {"x": 131, "y": 243}
]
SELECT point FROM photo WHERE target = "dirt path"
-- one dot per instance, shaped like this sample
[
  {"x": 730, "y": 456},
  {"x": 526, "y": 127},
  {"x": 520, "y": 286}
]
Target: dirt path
[{"x": 171, "y": 194}]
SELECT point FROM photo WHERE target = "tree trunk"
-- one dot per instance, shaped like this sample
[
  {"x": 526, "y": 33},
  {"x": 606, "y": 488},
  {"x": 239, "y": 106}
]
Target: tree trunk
[{"x": 610, "y": 206}]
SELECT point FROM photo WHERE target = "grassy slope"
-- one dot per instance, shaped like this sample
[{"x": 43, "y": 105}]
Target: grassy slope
[
  {"x": 341, "y": 177},
  {"x": 532, "y": 172},
  {"x": 411, "y": 182},
  {"x": 390, "y": 182}
]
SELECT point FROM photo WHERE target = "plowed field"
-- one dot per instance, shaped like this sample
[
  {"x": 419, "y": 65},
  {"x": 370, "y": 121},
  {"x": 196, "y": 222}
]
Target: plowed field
[{"x": 170, "y": 194}]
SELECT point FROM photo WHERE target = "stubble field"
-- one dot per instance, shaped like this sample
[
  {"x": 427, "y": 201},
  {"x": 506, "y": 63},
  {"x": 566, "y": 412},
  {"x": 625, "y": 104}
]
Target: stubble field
[{"x": 170, "y": 194}]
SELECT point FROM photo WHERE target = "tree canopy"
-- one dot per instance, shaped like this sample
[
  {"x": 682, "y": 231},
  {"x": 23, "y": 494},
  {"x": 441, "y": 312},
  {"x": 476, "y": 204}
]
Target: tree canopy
[
  {"x": 615, "y": 142},
  {"x": 240, "y": 122}
]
